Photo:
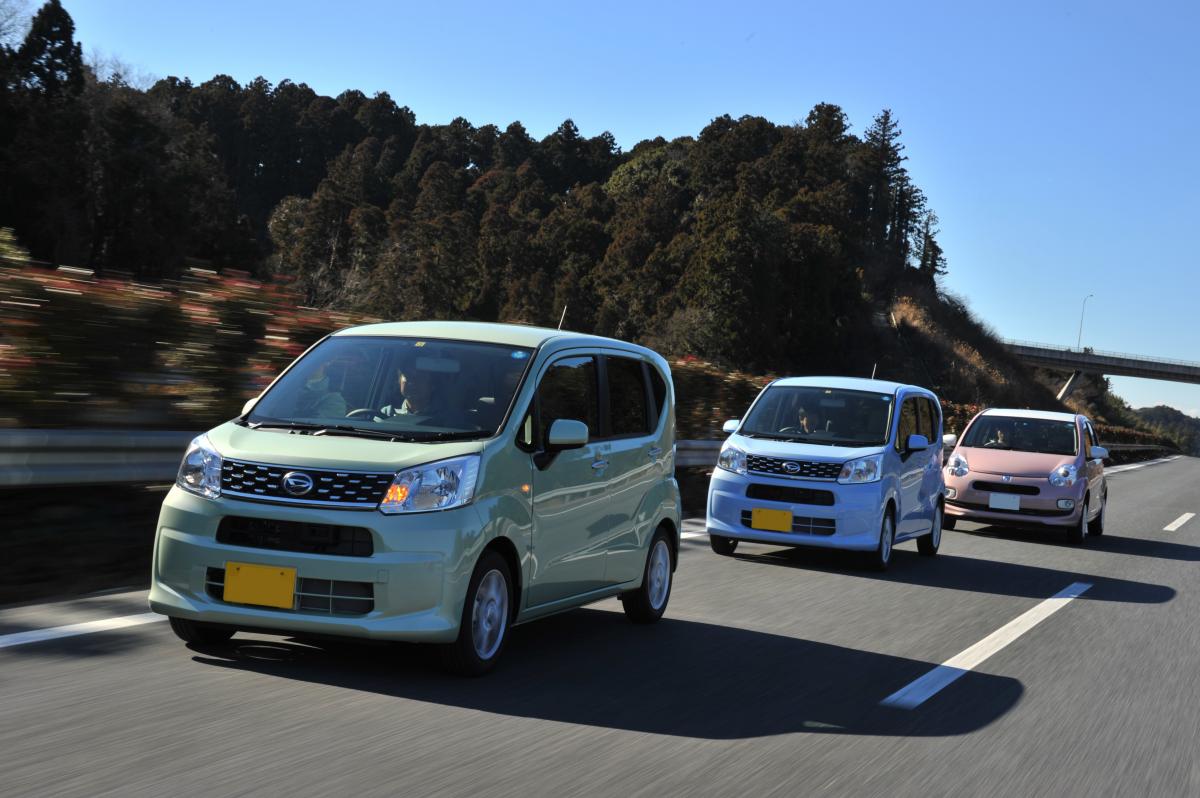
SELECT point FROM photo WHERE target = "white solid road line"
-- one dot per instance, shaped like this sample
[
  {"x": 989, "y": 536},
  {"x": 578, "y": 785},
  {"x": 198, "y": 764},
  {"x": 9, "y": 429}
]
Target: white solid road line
[
  {"x": 917, "y": 692},
  {"x": 1134, "y": 466},
  {"x": 70, "y": 630},
  {"x": 1178, "y": 522}
]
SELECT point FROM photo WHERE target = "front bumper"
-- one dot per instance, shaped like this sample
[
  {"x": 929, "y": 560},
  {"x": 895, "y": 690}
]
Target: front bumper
[
  {"x": 970, "y": 501},
  {"x": 855, "y": 513},
  {"x": 417, "y": 576}
]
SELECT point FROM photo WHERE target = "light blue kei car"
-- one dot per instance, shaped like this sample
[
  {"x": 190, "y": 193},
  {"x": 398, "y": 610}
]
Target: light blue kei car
[{"x": 832, "y": 462}]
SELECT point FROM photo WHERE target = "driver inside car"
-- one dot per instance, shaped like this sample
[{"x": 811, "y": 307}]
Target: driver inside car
[{"x": 424, "y": 394}]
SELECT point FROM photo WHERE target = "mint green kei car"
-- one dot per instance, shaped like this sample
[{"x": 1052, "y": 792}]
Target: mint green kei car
[{"x": 433, "y": 482}]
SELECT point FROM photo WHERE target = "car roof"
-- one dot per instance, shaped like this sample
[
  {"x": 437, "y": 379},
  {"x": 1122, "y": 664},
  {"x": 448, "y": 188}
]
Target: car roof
[
  {"x": 1049, "y": 415},
  {"x": 507, "y": 334},
  {"x": 848, "y": 383}
]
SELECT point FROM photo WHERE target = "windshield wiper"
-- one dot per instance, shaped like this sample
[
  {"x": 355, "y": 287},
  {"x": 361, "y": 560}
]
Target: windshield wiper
[
  {"x": 356, "y": 432},
  {"x": 461, "y": 435},
  {"x": 298, "y": 426}
]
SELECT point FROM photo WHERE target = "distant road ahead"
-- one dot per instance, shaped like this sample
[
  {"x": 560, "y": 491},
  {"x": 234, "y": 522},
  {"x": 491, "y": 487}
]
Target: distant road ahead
[{"x": 766, "y": 678}]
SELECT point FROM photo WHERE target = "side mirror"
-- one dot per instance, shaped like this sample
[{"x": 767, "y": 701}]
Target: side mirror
[
  {"x": 916, "y": 443},
  {"x": 1099, "y": 453},
  {"x": 949, "y": 441},
  {"x": 566, "y": 433},
  {"x": 250, "y": 403},
  {"x": 730, "y": 426}
]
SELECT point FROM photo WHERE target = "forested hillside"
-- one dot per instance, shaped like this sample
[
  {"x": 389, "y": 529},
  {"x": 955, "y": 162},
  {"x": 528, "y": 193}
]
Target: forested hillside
[
  {"x": 752, "y": 242},
  {"x": 756, "y": 246},
  {"x": 1179, "y": 427}
]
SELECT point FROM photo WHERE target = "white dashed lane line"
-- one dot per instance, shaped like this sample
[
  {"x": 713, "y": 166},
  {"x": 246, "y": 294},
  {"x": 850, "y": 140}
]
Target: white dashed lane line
[
  {"x": 916, "y": 693},
  {"x": 1178, "y": 522}
]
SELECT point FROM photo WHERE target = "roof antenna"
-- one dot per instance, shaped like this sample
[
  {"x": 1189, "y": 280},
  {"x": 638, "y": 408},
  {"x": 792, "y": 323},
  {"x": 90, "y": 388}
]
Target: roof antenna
[
  {"x": 563, "y": 317},
  {"x": 873, "y": 367}
]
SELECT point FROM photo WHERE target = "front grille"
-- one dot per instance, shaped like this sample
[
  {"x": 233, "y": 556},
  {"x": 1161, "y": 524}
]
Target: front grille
[
  {"x": 323, "y": 596},
  {"x": 784, "y": 493},
  {"x": 265, "y": 482},
  {"x": 1005, "y": 487},
  {"x": 803, "y": 469},
  {"x": 266, "y": 533},
  {"x": 1030, "y": 511},
  {"x": 801, "y": 525}
]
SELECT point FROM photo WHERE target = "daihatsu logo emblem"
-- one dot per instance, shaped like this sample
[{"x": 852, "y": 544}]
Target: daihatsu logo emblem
[
  {"x": 791, "y": 468},
  {"x": 297, "y": 483},
  {"x": 1006, "y": 478}
]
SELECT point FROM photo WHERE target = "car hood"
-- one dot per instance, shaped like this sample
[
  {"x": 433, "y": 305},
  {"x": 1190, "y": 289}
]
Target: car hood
[
  {"x": 331, "y": 452},
  {"x": 1012, "y": 463},
  {"x": 790, "y": 450}
]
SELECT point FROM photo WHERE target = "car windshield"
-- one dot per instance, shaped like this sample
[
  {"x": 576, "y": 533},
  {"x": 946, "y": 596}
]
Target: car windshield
[
  {"x": 831, "y": 416},
  {"x": 1042, "y": 435},
  {"x": 397, "y": 388}
]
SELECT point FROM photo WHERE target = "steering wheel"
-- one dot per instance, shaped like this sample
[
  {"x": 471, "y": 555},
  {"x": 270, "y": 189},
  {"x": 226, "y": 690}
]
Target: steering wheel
[
  {"x": 363, "y": 412},
  {"x": 796, "y": 430}
]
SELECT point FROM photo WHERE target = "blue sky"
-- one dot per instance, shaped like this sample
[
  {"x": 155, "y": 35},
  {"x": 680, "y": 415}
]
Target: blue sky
[{"x": 1056, "y": 140}]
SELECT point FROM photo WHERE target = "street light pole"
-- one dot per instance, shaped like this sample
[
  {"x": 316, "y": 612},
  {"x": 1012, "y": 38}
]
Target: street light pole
[{"x": 1079, "y": 339}]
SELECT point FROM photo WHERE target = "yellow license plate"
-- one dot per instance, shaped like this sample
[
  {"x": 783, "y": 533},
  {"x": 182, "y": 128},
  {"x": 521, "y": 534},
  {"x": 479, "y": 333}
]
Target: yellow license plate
[
  {"x": 264, "y": 585},
  {"x": 771, "y": 520}
]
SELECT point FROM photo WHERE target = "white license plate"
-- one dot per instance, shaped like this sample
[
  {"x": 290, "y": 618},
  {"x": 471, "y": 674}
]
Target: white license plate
[{"x": 1004, "y": 501}]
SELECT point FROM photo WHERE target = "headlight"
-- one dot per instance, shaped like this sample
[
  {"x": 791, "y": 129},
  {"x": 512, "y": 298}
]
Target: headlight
[
  {"x": 200, "y": 471},
  {"x": 864, "y": 469},
  {"x": 436, "y": 486},
  {"x": 1063, "y": 475},
  {"x": 732, "y": 459},
  {"x": 957, "y": 466}
]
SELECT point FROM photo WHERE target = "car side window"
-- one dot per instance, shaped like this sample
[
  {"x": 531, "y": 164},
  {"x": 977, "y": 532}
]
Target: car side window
[
  {"x": 907, "y": 424},
  {"x": 628, "y": 406},
  {"x": 1090, "y": 435},
  {"x": 924, "y": 418},
  {"x": 568, "y": 390}
]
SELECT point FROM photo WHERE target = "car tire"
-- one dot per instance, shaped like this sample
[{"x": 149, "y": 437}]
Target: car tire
[
  {"x": 648, "y": 603},
  {"x": 486, "y": 619},
  {"x": 1077, "y": 533},
  {"x": 1096, "y": 525},
  {"x": 199, "y": 632},
  {"x": 881, "y": 557},
  {"x": 927, "y": 545},
  {"x": 722, "y": 545},
  {"x": 948, "y": 523}
]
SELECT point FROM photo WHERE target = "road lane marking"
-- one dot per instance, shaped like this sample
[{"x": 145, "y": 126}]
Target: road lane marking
[
  {"x": 1134, "y": 466},
  {"x": 916, "y": 693},
  {"x": 1178, "y": 522},
  {"x": 72, "y": 629}
]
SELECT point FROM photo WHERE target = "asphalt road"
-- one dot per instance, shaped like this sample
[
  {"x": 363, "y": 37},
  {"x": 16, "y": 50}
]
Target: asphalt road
[{"x": 765, "y": 679}]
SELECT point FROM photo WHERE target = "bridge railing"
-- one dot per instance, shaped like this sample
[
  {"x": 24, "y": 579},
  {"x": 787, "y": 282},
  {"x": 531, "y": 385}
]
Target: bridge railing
[{"x": 1085, "y": 351}]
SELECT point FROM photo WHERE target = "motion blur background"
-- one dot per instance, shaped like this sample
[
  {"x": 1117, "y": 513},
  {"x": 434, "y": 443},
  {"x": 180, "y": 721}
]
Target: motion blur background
[{"x": 170, "y": 239}]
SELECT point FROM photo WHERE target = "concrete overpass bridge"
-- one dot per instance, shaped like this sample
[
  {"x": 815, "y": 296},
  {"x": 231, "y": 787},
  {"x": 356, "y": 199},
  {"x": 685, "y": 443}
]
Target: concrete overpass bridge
[{"x": 1110, "y": 364}]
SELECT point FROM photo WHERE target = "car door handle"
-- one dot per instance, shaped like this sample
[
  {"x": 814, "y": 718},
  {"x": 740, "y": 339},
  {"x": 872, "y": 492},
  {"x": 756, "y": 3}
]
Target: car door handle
[
  {"x": 600, "y": 465},
  {"x": 654, "y": 452}
]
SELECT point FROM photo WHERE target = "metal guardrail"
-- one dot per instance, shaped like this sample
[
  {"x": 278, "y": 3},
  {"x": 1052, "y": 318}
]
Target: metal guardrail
[
  {"x": 99, "y": 457},
  {"x": 89, "y": 457}
]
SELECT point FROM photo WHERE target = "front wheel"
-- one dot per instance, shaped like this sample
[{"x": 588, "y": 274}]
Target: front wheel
[
  {"x": 199, "y": 632},
  {"x": 882, "y": 556},
  {"x": 1096, "y": 525},
  {"x": 948, "y": 522},
  {"x": 927, "y": 545},
  {"x": 483, "y": 630},
  {"x": 722, "y": 545},
  {"x": 1077, "y": 533},
  {"x": 648, "y": 603}
]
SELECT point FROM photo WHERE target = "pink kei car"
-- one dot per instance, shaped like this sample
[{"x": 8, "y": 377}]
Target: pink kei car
[{"x": 1028, "y": 468}]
